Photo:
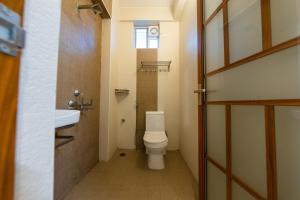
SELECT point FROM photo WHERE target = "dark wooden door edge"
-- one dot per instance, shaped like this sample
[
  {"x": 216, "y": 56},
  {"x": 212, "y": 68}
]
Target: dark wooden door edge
[{"x": 201, "y": 108}]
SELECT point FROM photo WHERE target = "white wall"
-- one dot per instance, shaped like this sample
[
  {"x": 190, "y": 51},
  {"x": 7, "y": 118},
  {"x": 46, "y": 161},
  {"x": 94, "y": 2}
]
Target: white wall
[
  {"x": 188, "y": 83},
  {"x": 127, "y": 76},
  {"x": 168, "y": 82},
  {"x": 37, "y": 101},
  {"x": 109, "y": 81},
  {"x": 178, "y": 8},
  {"x": 113, "y": 131},
  {"x": 146, "y": 13},
  {"x": 121, "y": 69},
  {"x": 118, "y": 72},
  {"x": 105, "y": 90}
]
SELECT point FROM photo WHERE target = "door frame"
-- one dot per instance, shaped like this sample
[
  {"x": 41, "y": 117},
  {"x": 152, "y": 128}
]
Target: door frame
[
  {"x": 8, "y": 111},
  {"x": 201, "y": 108}
]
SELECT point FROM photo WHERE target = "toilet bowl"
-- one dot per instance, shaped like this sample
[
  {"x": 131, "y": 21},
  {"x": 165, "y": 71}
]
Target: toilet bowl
[{"x": 155, "y": 140}]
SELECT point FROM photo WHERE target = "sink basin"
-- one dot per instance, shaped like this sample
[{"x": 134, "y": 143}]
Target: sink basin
[{"x": 66, "y": 118}]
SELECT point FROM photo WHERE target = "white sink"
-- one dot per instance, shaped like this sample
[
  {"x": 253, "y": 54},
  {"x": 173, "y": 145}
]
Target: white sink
[{"x": 66, "y": 118}]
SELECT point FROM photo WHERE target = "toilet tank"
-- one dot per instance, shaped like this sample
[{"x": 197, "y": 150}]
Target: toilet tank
[{"x": 155, "y": 121}]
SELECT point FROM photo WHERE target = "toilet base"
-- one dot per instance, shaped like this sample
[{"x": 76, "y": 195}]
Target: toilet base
[{"x": 156, "y": 161}]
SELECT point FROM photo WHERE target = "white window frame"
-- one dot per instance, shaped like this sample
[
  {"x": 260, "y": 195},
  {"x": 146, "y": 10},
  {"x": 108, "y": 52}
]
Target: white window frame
[{"x": 147, "y": 37}]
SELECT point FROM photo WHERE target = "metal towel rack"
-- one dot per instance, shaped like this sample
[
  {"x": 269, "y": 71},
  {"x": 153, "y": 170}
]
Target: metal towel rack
[
  {"x": 155, "y": 66},
  {"x": 122, "y": 91},
  {"x": 96, "y": 6}
]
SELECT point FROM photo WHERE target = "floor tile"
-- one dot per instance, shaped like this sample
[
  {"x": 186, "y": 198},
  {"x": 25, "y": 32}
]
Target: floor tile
[{"x": 128, "y": 178}]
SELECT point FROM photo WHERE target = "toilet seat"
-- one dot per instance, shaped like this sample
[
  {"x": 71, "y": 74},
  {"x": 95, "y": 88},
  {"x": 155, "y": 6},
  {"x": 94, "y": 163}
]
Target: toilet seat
[
  {"x": 160, "y": 145},
  {"x": 155, "y": 137}
]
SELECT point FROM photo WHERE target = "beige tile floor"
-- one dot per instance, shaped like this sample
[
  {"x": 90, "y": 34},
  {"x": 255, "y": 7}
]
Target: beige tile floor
[{"x": 127, "y": 178}]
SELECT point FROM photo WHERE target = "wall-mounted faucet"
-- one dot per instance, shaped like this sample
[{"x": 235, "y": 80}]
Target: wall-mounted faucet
[
  {"x": 79, "y": 103},
  {"x": 77, "y": 93}
]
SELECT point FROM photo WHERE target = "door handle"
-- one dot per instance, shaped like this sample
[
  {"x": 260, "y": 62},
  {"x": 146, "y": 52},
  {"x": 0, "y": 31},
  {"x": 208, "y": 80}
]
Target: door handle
[{"x": 200, "y": 93}]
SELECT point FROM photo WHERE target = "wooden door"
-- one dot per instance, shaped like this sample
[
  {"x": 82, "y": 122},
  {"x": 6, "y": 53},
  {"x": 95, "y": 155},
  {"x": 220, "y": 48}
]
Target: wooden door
[
  {"x": 250, "y": 67},
  {"x": 9, "y": 75}
]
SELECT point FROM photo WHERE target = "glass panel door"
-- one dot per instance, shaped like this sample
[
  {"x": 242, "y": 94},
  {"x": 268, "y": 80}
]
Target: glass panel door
[{"x": 252, "y": 76}]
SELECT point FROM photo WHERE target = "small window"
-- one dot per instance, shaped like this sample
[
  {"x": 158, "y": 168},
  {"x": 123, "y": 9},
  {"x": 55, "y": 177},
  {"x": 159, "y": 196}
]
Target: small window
[
  {"x": 153, "y": 43},
  {"x": 144, "y": 40},
  {"x": 141, "y": 35}
]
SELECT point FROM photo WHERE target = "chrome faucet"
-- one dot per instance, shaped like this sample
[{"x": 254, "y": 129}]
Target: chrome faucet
[
  {"x": 79, "y": 104},
  {"x": 74, "y": 105}
]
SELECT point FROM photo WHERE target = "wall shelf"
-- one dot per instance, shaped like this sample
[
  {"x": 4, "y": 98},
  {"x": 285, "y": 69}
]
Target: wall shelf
[{"x": 155, "y": 66}]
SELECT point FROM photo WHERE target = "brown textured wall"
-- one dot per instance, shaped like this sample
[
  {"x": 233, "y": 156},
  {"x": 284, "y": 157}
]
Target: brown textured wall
[
  {"x": 147, "y": 92},
  {"x": 79, "y": 68}
]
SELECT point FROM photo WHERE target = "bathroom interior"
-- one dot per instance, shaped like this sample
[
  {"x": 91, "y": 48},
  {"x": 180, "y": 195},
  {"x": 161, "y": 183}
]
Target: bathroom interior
[
  {"x": 124, "y": 61},
  {"x": 151, "y": 99},
  {"x": 125, "y": 69}
]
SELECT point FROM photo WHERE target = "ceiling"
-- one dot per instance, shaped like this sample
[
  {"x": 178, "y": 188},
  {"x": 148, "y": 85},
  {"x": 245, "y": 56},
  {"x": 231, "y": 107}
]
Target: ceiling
[{"x": 146, "y": 3}]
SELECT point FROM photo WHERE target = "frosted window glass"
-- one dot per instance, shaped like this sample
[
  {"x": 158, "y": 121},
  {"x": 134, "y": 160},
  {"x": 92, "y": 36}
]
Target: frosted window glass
[
  {"x": 248, "y": 146},
  {"x": 211, "y": 6},
  {"x": 276, "y": 76},
  {"x": 216, "y": 134},
  {"x": 153, "y": 43},
  {"x": 245, "y": 31},
  {"x": 288, "y": 148},
  {"x": 239, "y": 193},
  {"x": 216, "y": 183},
  {"x": 215, "y": 43},
  {"x": 285, "y": 20},
  {"x": 141, "y": 37}
]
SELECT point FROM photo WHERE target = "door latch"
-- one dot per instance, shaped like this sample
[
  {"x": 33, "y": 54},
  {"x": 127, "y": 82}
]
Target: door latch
[{"x": 12, "y": 35}]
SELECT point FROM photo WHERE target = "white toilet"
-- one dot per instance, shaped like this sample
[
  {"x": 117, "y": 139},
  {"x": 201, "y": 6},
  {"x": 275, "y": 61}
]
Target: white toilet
[{"x": 155, "y": 139}]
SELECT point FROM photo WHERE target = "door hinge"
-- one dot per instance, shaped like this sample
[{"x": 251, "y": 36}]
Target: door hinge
[{"x": 12, "y": 35}]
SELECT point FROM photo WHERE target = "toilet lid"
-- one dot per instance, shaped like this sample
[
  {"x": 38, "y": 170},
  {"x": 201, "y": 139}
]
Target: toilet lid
[{"x": 155, "y": 137}]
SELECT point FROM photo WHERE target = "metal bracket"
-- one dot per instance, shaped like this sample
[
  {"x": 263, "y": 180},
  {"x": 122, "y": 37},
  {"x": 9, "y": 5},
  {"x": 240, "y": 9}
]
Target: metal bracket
[
  {"x": 96, "y": 7},
  {"x": 12, "y": 36}
]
